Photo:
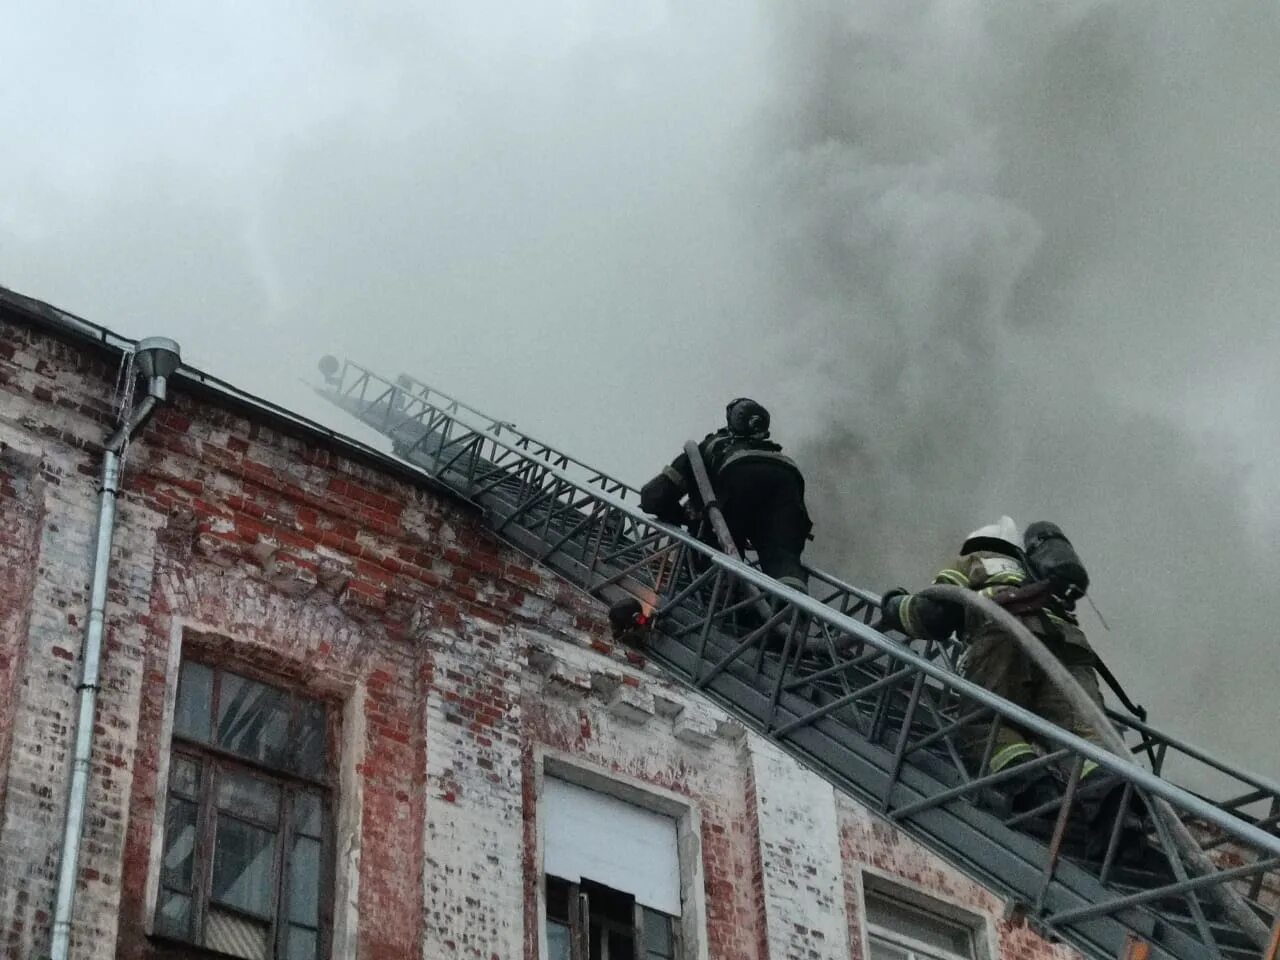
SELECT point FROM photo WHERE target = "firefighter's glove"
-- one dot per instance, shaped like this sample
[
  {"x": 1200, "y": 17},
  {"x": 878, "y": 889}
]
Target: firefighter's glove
[
  {"x": 919, "y": 616},
  {"x": 674, "y": 515},
  {"x": 935, "y": 619},
  {"x": 891, "y": 610}
]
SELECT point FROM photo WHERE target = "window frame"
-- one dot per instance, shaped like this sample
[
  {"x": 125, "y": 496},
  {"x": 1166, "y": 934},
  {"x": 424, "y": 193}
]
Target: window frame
[
  {"x": 950, "y": 915},
  {"x": 580, "y": 937},
  {"x": 689, "y": 931},
  {"x": 211, "y": 761}
]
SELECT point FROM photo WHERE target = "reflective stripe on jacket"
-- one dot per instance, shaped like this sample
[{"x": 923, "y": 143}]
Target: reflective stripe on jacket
[{"x": 989, "y": 573}]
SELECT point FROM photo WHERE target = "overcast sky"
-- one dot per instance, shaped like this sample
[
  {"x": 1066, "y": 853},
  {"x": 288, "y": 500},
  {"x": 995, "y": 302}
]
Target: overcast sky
[{"x": 978, "y": 257}]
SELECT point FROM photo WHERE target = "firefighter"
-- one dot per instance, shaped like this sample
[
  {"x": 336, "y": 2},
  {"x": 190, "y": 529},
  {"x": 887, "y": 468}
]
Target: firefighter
[
  {"x": 760, "y": 490},
  {"x": 993, "y": 562}
]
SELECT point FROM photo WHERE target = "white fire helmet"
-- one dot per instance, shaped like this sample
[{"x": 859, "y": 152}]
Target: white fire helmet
[{"x": 1005, "y": 531}]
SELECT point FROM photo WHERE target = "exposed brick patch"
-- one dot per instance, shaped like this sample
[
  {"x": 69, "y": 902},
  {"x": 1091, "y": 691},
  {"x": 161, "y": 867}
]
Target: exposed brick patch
[
  {"x": 800, "y": 879},
  {"x": 868, "y": 841},
  {"x": 21, "y": 516}
]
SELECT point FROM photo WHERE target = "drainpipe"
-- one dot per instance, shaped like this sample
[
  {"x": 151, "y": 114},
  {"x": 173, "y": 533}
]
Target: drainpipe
[{"x": 155, "y": 359}]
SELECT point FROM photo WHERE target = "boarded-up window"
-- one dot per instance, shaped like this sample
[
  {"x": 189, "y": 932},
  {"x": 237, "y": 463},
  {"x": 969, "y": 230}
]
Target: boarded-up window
[{"x": 613, "y": 877}]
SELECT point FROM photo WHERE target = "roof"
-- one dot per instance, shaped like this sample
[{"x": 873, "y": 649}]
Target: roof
[{"x": 66, "y": 326}]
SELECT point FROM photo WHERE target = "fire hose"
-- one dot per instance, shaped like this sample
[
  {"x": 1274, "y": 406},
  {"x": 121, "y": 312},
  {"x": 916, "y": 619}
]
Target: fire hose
[{"x": 1230, "y": 900}]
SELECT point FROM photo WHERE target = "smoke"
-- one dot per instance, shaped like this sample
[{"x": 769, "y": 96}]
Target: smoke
[
  {"x": 978, "y": 258},
  {"x": 1023, "y": 253}
]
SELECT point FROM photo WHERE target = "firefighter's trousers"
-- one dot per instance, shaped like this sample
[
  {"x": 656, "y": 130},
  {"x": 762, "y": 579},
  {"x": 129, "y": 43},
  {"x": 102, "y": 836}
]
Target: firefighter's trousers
[
  {"x": 998, "y": 663},
  {"x": 764, "y": 508}
]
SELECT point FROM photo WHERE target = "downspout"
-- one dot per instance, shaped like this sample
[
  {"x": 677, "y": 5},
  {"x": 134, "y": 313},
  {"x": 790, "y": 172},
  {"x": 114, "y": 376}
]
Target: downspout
[{"x": 154, "y": 359}]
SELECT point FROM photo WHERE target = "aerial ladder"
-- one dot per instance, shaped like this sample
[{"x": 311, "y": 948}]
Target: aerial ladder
[{"x": 876, "y": 714}]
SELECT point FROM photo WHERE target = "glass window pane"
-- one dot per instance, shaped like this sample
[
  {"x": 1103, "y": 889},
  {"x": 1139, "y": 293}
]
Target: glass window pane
[
  {"x": 657, "y": 933},
  {"x": 235, "y": 935},
  {"x": 302, "y": 943},
  {"x": 195, "y": 691},
  {"x": 557, "y": 941},
  {"x": 309, "y": 752},
  {"x": 173, "y": 915},
  {"x": 248, "y": 796},
  {"x": 884, "y": 950},
  {"x": 179, "y": 842},
  {"x": 244, "y": 866},
  {"x": 919, "y": 924},
  {"x": 307, "y": 814},
  {"x": 621, "y": 945},
  {"x": 557, "y": 899},
  {"x": 184, "y": 776},
  {"x": 253, "y": 720},
  {"x": 304, "y": 881}
]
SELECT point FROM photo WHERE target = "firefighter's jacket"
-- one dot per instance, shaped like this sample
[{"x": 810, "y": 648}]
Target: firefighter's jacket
[
  {"x": 661, "y": 496},
  {"x": 989, "y": 573}
]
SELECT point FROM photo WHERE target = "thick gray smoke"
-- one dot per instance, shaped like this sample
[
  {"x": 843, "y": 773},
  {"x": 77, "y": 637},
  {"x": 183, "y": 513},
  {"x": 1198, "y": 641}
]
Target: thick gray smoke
[
  {"x": 979, "y": 258},
  {"x": 1025, "y": 261}
]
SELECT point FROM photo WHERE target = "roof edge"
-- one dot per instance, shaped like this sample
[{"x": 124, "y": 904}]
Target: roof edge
[{"x": 69, "y": 327}]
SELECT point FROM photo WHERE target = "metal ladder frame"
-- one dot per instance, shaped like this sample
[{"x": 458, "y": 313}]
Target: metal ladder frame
[{"x": 877, "y": 717}]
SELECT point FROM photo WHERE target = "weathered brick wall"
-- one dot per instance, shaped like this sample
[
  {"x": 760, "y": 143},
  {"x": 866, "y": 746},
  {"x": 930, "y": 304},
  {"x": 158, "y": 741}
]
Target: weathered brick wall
[
  {"x": 59, "y": 398},
  {"x": 453, "y": 663},
  {"x": 474, "y": 838},
  {"x": 602, "y": 711},
  {"x": 868, "y": 842},
  {"x": 21, "y": 502},
  {"x": 800, "y": 867}
]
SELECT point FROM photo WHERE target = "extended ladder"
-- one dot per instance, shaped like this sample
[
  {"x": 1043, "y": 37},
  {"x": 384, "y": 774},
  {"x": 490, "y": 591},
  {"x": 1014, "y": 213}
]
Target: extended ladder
[{"x": 877, "y": 716}]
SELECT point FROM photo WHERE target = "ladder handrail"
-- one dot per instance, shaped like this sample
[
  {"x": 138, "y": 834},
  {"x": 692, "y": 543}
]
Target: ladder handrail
[
  {"x": 1129, "y": 771},
  {"x": 496, "y": 426},
  {"x": 623, "y": 489},
  {"x": 493, "y": 424}
]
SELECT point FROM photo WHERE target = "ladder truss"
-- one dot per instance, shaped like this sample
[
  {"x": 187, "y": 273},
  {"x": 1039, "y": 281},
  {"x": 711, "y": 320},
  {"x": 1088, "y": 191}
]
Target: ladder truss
[{"x": 883, "y": 718}]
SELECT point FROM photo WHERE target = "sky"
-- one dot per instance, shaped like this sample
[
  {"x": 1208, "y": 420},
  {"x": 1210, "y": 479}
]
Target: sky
[{"x": 977, "y": 257}]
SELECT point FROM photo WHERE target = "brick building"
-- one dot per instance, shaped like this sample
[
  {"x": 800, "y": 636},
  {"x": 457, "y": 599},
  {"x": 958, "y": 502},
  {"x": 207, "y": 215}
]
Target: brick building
[{"x": 339, "y": 718}]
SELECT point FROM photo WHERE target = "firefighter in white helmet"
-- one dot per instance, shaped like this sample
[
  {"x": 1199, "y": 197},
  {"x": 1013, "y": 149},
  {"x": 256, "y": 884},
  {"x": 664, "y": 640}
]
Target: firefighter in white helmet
[{"x": 993, "y": 562}]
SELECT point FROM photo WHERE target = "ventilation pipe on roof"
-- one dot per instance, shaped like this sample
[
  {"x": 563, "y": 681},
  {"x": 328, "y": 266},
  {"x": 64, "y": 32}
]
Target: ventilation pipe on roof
[{"x": 154, "y": 360}]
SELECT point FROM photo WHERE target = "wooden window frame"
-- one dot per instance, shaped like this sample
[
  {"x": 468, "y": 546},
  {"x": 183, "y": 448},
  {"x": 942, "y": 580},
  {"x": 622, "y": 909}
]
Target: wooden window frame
[
  {"x": 579, "y": 908},
  {"x": 923, "y": 905},
  {"x": 211, "y": 759}
]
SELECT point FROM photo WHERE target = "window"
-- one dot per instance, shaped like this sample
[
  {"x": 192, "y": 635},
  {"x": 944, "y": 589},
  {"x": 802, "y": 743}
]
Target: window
[
  {"x": 246, "y": 834},
  {"x": 908, "y": 928},
  {"x": 613, "y": 880},
  {"x": 589, "y": 921}
]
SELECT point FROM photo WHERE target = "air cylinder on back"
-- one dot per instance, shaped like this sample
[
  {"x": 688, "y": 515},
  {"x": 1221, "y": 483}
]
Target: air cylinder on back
[{"x": 1052, "y": 558}]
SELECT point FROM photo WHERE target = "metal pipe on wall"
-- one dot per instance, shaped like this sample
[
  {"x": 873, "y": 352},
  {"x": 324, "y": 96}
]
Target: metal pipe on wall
[{"x": 155, "y": 358}]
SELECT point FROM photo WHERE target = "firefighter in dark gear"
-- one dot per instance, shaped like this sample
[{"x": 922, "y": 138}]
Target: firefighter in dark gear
[
  {"x": 993, "y": 562},
  {"x": 760, "y": 490}
]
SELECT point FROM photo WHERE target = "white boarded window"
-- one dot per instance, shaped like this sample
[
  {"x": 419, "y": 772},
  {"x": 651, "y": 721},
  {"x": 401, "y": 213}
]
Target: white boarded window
[
  {"x": 592, "y": 836},
  {"x": 612, "y": 885}
]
